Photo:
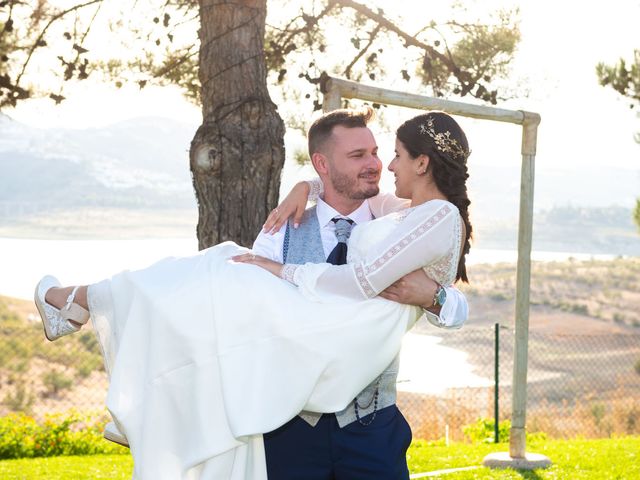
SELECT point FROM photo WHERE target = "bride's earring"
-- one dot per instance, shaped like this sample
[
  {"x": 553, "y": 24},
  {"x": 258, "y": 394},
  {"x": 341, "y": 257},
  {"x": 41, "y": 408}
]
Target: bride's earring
[{"x": 423, "y": 165}]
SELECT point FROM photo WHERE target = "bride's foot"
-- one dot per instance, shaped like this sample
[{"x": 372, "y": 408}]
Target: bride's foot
[{"x": 62, "y": 310}]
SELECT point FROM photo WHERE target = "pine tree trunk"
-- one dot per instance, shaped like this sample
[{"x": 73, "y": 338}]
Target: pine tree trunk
[{"x": 237, "y": 154}]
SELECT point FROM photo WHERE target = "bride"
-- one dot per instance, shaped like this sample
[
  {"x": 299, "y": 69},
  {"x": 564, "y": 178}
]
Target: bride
[{"x": 206, "y": 353}]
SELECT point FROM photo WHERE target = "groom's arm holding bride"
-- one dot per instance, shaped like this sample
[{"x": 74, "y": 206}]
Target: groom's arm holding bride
[{"x": 444, "y": 307}]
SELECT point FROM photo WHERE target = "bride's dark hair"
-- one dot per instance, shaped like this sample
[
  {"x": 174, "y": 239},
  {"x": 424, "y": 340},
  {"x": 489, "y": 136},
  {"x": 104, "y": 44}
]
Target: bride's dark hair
[{"x": 439, "y": 136}]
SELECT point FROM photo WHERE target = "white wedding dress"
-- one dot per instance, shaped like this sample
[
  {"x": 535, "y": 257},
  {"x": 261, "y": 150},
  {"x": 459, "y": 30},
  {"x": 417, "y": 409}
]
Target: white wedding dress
[{"x": 205, "y": 354}]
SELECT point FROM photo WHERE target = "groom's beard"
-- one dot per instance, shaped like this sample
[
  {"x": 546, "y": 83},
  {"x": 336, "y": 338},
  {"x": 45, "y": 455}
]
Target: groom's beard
[{"x": 364, "y": 186}]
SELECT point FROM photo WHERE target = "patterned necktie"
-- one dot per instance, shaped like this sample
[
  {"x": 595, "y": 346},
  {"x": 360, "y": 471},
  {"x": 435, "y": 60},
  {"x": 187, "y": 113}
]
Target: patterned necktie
[{"x": 338, "y": 255}]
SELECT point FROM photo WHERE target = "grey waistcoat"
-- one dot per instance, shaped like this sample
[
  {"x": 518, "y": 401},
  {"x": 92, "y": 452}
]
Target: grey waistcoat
[{"x": 303, "y": 245}]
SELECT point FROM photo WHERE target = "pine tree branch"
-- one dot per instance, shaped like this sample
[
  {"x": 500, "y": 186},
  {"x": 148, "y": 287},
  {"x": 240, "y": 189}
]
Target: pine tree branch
[
  {"x": 53, "y": 19},
  {"x": 392, "y": 27},
  {"x": 372, "y": 36}
]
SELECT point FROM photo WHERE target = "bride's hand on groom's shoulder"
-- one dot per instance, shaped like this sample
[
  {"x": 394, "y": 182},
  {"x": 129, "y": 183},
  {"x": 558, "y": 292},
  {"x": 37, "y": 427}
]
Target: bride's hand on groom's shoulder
[
  {"x": 262, "y": 262},
  {"x": 292, "y": 206}
]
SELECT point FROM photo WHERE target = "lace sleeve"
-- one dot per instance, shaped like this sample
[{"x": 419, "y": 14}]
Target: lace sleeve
[
  {"x": 316, "y": 189},
  {"x": 288, "y": 272},
  {"x": 426, "y": 235}
]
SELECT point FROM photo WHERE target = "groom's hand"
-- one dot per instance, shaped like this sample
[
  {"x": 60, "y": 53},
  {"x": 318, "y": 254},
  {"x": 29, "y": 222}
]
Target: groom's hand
[{"x": 415, "y": 288}]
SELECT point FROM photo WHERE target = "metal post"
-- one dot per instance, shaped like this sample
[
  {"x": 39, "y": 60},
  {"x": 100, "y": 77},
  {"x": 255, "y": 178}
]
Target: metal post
[{"x": 496, "y": 388}]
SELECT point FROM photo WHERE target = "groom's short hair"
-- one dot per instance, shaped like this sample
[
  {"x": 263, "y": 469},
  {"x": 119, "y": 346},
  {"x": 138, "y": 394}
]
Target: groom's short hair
[{"x": 321, "y": 129}]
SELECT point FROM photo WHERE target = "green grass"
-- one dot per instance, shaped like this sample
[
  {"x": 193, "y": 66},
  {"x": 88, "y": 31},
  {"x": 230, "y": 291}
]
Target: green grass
[
  {"x": 92, "y": 467},
  {"x": 605, "y": 459}
]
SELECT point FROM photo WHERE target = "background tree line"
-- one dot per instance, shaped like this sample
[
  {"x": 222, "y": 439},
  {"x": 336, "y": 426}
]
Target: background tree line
[{"x": 624, "y": 78}]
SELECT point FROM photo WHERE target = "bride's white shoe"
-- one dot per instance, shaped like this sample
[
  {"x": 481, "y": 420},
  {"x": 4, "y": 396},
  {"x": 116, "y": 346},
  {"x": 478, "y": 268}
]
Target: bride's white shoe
[
  {"x": 56, "y": 321},
  {"x": 112, "y": 434}
]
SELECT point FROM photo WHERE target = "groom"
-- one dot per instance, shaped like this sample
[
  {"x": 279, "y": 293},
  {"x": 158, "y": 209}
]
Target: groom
[{"x": 367, "y": 440}]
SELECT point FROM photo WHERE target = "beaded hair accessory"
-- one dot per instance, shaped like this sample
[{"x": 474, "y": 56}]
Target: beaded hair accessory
[{"x": 443, "y": 141}]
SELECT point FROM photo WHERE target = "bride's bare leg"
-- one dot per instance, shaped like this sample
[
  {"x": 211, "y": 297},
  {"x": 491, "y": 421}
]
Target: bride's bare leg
[
  {"x": 57, "y": 296},
  {"x": 63, "y": 310}
]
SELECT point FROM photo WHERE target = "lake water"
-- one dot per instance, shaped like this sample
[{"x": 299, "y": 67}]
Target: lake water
[{"x": 23, "y": 261}]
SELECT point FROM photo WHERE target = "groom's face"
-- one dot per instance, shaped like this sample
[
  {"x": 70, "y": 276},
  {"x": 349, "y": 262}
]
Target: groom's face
[{"x": 353, "y": 163}]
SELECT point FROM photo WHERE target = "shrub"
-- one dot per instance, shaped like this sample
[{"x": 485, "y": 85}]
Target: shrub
[
  {"x": 500, "y": 296},
  {"x": 483, "y": 431},
  {"x": 598, "y": 411},
  {"x": 637, "y": 367},
  {"x": 626, "y": 415},
  {"x": 18, "y": 365},
  {"x": 22, "y": 436},
  {"x": 84, "y": 370},
  {"x": 580, "y": 309},
  {"x": 21, "y": 399},
  {"x": 56, "y": 382},
  {"x": 618, "y": 318},
  {"x": 88, "y": 339}
]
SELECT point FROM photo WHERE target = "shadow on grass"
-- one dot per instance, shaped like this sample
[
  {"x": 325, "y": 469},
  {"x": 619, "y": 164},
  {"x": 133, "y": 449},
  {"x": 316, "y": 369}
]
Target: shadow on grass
[{"x": 529, "y": 474}]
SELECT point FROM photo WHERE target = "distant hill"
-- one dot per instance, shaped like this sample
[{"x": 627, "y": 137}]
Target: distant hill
[
  {"x": 596, "y": 230},
  {"x": 132, "y": 179},
  {"x": 141, "y": 163}
]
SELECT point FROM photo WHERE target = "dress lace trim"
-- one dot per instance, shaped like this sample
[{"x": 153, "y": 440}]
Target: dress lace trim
[
  {"x": 403, "y": 213},
  {"x": 288, "y": 272},
  {"x": 447, "y": 267},
  {"x": 316, "y": 189},
  {"x": 363, "y": 282},
  {"x": 364, "y": 271}
]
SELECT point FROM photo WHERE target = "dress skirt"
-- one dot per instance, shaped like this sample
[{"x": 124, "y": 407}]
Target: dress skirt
[{"x": 205, "y": 355}]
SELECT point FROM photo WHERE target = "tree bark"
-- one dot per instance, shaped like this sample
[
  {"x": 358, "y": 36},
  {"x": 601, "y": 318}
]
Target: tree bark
[{"x": 237, "y": 154}]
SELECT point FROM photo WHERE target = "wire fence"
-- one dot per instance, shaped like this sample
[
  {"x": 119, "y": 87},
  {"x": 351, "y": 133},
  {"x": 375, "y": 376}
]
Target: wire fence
[{"x": 578, "y": 385}]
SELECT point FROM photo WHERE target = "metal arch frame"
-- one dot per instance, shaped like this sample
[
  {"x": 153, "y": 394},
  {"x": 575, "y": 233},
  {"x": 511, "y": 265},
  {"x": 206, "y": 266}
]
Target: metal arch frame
[{"x": 335, "y": 89}]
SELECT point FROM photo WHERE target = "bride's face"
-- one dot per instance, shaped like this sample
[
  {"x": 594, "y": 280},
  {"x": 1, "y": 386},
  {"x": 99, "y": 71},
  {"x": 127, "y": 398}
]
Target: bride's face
[
  {"x": 353, "y": 164},
  {"x": 405, "y": 170}
]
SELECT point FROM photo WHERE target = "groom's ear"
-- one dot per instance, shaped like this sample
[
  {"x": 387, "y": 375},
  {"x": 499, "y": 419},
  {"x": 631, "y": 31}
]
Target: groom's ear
[{"x": 320, "y": 163}]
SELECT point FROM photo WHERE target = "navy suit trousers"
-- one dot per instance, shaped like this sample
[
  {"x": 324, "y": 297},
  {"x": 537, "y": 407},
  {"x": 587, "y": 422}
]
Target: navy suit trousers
[{"x": 298, "y": 451}]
